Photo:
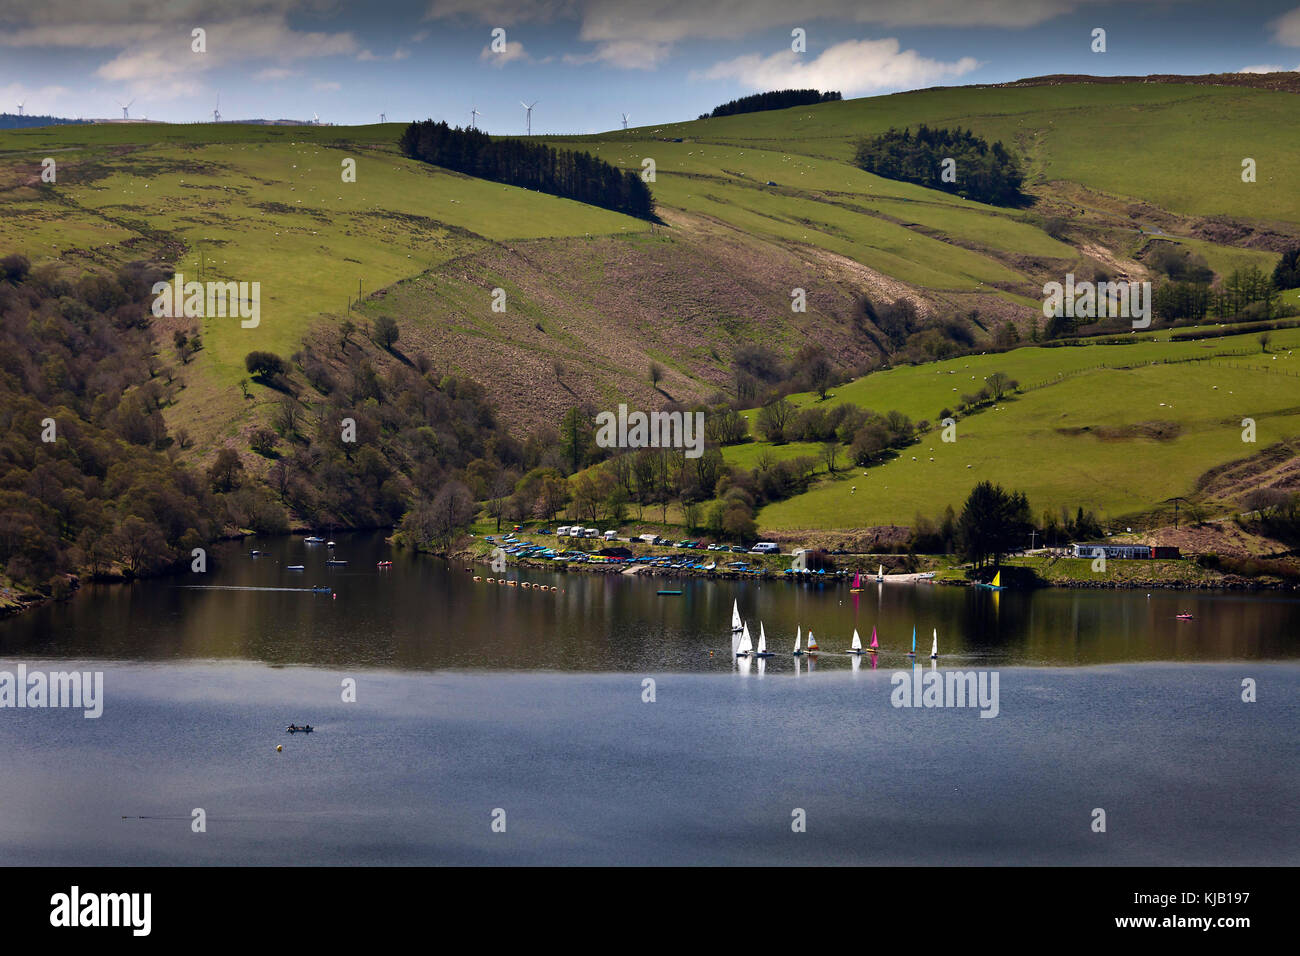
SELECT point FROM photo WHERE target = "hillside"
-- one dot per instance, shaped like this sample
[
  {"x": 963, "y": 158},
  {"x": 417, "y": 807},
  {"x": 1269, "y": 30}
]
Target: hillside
[{"x": 753, "y": 206}]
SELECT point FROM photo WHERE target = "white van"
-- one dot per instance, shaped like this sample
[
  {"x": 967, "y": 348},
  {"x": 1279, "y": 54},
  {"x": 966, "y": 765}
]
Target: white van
[
  {"x": 611, "y": 535},
  {"x": 649, "y": 538},
  {"x": 765, "y": 547}
]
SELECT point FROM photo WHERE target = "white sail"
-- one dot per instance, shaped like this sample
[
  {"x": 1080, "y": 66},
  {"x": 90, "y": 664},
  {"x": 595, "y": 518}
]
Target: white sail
[
  {"x": 762, "y": 638},
  {"x": 746, "y": 645},
  {"x": 880, "y": 572},
  {"x": 798, "y": 638},
  {"x": 934, "y": 648},
  {"x": 857, "y": 641},
  {"x": 735, "y": 616},
  {"x": 812, "y": 641}
]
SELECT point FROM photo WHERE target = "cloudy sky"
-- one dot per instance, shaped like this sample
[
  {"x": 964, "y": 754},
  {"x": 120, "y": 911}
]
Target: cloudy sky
[{"x": 585, "y": 61}]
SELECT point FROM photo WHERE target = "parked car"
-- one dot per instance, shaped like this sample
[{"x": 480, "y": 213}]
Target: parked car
[
  {"x": 765, "y": 547},
  {"x": 737, "y": 549}
]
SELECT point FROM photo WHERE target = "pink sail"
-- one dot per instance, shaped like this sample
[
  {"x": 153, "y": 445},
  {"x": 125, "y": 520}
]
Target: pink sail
[{"x": 873, "y": 637}]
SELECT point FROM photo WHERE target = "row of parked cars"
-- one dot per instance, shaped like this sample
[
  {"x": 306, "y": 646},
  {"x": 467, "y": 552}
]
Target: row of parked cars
[{"x": 577, "y": 531}]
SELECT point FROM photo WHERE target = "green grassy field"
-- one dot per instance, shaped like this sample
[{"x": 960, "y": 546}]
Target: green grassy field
[
  {"x": 604, "y": 294},
  {"x": 1070, "y": 443}
]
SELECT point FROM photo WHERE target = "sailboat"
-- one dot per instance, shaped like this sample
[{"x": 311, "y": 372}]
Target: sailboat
[
  {"x": 812, "y": 643},
  {"x": 762, "y": 642},
  {"x": 736, "y": 624},
  {"x": 934, "y": 648},
  {"x": 875, "y": 645},
  {"x": 857, "y": 583},
  {"x": 912, "y": 652},
  {"x": 994, "y": 585},
  {"x": 857, "y": 643},
  {"x": 880, "y": 574},
  {"x": 745, "y": 646},
  {"x": 798, "y": 639}
]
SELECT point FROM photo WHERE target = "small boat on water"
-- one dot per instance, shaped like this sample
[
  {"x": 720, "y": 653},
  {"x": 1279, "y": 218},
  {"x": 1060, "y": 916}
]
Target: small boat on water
[
  {"x": 736, "y": 623},
  {"x": 856, "y": 647},
  {"x": 312, "y": 539},
  {"x": 762, "y": 643},
  {"x": 925, "y": 576},
  {"x": 934, "y": 648},
  {"x": 857, "y": 583},
  {"x": 812, "y": 643},
  {"x": 746, "y": 646},
  {"x": 798, "y": 639},
  {"x": 912, "y": 652},
  {"x": 994, "y": 585},
  {"x": 875, "y": 645},
  {"x": 336, "y": 562},
  {"x": 319, "y": 589},
  {"x": 668, "y": 592},
  {"x": 258, "y": 554},
  {"x": 296, "y": 567},
  {"x": 1184, "y": 616},
  {"x": 384, "y": 564},
  {"x": 295, "y": 729},
  {"x": 880, "y": 574},
  {"x": 329, "y": 544}
]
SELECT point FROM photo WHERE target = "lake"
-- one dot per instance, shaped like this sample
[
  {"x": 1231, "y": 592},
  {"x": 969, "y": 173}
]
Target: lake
[
  {"x": 593, "y": 725},
  {"x": 426, "y": 614}
]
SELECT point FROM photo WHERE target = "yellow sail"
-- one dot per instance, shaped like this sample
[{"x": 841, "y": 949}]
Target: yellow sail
[{"x": 997, "y": 580}]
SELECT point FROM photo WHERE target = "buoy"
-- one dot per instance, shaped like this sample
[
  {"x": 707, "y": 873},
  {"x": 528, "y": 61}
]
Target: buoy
[{"x": 279, "y": 747}]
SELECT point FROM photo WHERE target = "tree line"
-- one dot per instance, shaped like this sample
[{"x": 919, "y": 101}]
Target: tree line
[
  {"x": 979, "y": 171},
  {"x": 774, "y": 100},
  {"x": 566, "y": 173}
]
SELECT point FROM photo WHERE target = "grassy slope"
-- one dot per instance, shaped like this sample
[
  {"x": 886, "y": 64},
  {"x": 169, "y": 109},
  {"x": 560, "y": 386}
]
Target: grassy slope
[
  {"x": 719, "y": 275},
  {"x": 1035, "y": 442}
]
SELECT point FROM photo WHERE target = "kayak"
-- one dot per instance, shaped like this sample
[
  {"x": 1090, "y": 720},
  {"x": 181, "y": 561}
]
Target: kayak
[{"x": 294, "y": 729}]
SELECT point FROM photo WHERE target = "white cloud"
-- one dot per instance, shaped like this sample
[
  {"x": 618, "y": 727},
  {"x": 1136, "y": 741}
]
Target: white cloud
[
  {"x": 852, "y": 67},
  {"x": 642, "y": 34},
  {"x": 399, "y": 54},
  {"x": 1268, "y": 68},
  {"x": 326, "y": 86},
  {"x": 274, "y": 73},
  {"x": 1286, "y": 28},
  {"x": 514, "y": 51}
]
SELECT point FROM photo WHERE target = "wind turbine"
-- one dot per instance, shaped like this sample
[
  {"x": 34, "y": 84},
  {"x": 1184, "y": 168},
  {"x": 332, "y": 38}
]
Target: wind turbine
[
  {"x": 528, "y": 114},
  {"x": 383, "y": 117},
  {"x": 315, "y": 119},
  {"x": 126, "y": 109},
  {"x": 625, "y": 122},
  {"x": 216, "y": 112},
  {"x": 473, "y": 118}
]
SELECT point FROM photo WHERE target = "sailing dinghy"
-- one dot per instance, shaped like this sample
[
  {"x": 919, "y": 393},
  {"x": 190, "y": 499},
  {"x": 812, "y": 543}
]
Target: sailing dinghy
[
  {"x": 745, "y": 646},
  {"x": 762, "y": 642},
  {"x": 736, "y": 624},
  {"x": 812, "y": 643},
  {"x": 857, "y": 583},
  {"x": 912, "y": 652},
  {"x": 875, "y": 645},
  {"x": 857, "y": 643},
  {"x": 798, "y": 640},
  {"x": 934, "y": 648}
]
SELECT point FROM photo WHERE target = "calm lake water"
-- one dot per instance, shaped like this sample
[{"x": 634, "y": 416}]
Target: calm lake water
[
  {"x": 473, "y": 698},
  {"x": 425, "y": 614}
]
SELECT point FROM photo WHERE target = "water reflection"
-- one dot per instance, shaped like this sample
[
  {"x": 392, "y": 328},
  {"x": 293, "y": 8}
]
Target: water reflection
[{"x": 423, "y": 613}]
